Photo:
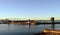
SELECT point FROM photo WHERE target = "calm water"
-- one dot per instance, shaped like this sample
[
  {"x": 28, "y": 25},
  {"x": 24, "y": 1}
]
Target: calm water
[{"x": 13, "y": 29}]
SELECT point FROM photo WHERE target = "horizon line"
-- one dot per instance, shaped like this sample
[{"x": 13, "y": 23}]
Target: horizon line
[{"x": 29, "y": 18}]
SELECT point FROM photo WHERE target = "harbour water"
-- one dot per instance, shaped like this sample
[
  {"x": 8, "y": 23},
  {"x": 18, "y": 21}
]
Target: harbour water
[{"x": 15, "y": 29}]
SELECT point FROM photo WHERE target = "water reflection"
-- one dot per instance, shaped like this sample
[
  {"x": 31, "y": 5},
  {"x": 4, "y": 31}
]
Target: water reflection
[{"x": 15, "y": 29}]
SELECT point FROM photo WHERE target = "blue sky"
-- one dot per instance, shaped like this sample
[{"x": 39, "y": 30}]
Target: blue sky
[{"x": 29, "y": 8}]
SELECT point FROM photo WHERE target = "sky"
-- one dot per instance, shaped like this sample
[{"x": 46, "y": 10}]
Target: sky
[{"x": 36, "y": 9}]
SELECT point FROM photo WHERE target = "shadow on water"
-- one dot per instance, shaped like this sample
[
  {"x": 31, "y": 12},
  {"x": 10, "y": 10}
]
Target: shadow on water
[{"x": 29, "y": 26}]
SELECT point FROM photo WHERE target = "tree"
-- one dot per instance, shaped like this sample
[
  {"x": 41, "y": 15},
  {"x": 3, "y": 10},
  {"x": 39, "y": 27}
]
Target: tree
[{"x": 53, "y": 25}]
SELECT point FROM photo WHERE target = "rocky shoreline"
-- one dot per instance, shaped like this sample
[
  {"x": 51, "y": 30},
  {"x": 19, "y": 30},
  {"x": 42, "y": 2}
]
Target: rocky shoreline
[{"x": 49, "y": 32}]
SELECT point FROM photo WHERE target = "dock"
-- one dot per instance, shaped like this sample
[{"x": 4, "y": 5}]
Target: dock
[{"x": 50, "y": 23}]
